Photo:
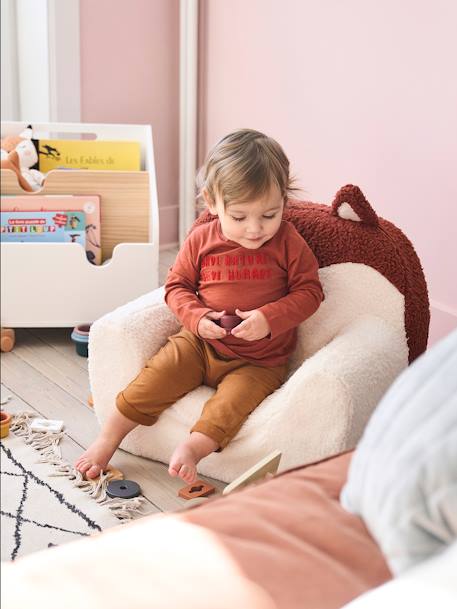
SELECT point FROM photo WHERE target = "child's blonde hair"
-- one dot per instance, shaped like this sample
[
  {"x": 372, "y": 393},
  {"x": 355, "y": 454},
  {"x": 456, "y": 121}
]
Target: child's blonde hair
[{"x": 243, "y": 166}]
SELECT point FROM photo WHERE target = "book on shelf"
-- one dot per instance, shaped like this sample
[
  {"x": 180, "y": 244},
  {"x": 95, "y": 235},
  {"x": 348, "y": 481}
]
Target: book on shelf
[
  {"x": 88, "y": 204},
  {"x": 88, "y": 154},
  {"x": 43, "y": 227}
]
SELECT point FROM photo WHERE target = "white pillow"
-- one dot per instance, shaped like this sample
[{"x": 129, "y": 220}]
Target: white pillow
[
  {"x": 403, "y": 476},
  {"x": 430, "y": 584}
]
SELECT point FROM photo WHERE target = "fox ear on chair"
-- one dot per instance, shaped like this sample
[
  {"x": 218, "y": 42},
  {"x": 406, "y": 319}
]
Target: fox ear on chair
[{"x": 350, "y": 204}]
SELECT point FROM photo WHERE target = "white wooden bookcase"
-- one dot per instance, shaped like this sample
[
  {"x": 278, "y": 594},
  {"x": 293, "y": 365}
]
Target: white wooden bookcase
[{"x": 53, "y": 284}]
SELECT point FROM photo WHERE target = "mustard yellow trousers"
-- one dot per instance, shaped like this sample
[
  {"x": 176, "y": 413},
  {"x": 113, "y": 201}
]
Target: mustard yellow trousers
[{"x": 186, "y": 362}]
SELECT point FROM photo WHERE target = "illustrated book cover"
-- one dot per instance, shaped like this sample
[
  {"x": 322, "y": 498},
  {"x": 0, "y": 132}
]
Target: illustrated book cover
[
  {"x": 88, "y": 154},
  {"x": 43, "y": 227},
  {"x": 88, "y": 204}
]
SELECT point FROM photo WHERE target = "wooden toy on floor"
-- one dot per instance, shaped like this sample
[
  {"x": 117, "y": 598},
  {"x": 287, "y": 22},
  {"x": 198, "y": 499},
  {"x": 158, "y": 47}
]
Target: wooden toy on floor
[
  {"x": 197, "y": 489},
  {"x": 5, "y": 423},
  {"x": 7, "y": 339},
  {"x": 114, "y": 474},
  {"x": 80, "y": 336},
  {"x": 123, "y": 489},
  {"x": 268, "y": 465},
  {"x": 46, "y": 425}
]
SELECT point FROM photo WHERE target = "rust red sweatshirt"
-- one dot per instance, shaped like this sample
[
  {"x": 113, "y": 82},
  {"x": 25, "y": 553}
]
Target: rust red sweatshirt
[{"x": 280, "y": 278}]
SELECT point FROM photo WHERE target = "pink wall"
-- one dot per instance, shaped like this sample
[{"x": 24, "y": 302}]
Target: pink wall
[
  {"x": 356, "y": 91},
  {"x": 129, "y": 74}
]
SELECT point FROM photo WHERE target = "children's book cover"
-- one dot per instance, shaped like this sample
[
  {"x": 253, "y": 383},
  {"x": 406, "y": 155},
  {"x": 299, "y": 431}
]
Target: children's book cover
[
  {"x": 88, "y": 154},
  {"x": 43, "y": 227},
  {"x": 89, "y": 204}
]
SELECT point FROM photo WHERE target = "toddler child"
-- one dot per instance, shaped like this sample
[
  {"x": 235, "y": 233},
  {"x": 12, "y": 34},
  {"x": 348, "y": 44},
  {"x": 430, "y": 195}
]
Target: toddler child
[{"x": 248, "y": 262}]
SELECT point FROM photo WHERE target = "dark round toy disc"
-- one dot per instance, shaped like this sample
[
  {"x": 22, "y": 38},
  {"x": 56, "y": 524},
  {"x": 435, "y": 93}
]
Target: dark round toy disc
[{"x": 123, "y": 489}]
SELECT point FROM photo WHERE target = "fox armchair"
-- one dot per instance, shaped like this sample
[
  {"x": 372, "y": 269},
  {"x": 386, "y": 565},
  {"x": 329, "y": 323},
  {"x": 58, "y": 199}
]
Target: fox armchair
[{"x": 373, "y": 322}]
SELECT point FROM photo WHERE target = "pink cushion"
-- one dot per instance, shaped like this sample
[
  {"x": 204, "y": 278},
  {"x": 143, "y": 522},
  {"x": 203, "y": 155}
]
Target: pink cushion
[{"x": 291, "y": 536}]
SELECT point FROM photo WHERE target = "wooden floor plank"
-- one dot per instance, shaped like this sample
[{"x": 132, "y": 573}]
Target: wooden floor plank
[
  {"x": 48, "y": 398},
  {"x": 167, "y": 257},
  {"x": 60, "y": 340},
  {"x": 70, "y": 449},
  {"x": 53, "y": 365}
]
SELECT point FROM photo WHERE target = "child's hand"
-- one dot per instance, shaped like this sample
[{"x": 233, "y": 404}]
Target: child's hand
[
  {"x": 208, "y": 329},
  {"x": 254, "y": 327}
]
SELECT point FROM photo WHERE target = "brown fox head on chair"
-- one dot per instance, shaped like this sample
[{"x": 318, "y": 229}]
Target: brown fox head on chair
[{"x": 349, "y": 231}]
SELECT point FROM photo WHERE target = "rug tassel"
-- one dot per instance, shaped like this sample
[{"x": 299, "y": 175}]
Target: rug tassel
[
  {"x": 125, "y": 509},
  {"x": 47, "y": 444}
]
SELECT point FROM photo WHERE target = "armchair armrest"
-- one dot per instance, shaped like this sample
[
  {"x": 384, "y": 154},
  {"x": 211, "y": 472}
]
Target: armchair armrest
[
  {"x": 122, "y": 341},
  {"x": 331, "y": 396}
]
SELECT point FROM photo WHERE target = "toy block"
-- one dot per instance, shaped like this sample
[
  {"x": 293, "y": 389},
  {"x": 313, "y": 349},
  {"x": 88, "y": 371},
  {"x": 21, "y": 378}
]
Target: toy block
[
  {"x": 114, "y": 474},
  {"x": 197, "y": 489},
  {"x": 268, "y": 465},
  {"x": 46, "y": 425},
  {"x": 5, "y": 423}
]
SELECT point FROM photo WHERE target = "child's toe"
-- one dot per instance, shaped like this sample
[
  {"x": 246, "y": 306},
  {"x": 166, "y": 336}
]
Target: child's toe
[
  {"x": 184, "y": 473},
  {"x": 93, "y": 471},
  {"x": 189, "y": 474},
  {"x": 83, "y": 466},
  {"x": 173, "y": 469}
]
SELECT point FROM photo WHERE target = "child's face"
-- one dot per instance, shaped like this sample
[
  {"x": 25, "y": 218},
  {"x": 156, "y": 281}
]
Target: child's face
[{"x": 252, "y": 223}]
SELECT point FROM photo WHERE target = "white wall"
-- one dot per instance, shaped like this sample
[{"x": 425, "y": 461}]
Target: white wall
[
  {"x": 9, "y": 73},
  {"x": 40, "y": 60}
]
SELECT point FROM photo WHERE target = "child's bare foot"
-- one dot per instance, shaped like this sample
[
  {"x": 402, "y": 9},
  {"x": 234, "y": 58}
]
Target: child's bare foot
[
  {"x": 183, "y": 462},
  {"x": 96, "y": 457}
]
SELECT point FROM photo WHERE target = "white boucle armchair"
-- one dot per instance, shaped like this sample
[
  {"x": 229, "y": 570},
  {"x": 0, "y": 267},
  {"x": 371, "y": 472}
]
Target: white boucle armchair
[
  {"x": 373, "y": 321},
  {"x": 347, "y": 355}
]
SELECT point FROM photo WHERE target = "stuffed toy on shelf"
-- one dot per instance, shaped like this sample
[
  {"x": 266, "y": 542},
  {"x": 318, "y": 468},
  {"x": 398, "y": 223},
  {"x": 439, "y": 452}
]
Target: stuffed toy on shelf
[{"x": 19, "y": 154}]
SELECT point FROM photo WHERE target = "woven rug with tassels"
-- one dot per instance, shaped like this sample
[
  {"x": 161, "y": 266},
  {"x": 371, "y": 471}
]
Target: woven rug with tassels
[{"x": 44, "y": 501}]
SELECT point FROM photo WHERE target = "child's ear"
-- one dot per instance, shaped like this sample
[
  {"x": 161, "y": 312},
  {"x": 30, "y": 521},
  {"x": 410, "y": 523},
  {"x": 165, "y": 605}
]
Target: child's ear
[{"x": 209, "y": 201}]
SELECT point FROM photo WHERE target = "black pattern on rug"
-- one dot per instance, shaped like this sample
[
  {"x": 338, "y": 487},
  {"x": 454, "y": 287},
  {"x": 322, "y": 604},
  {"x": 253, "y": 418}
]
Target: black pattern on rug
[{"x": 28, "y": 478}]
